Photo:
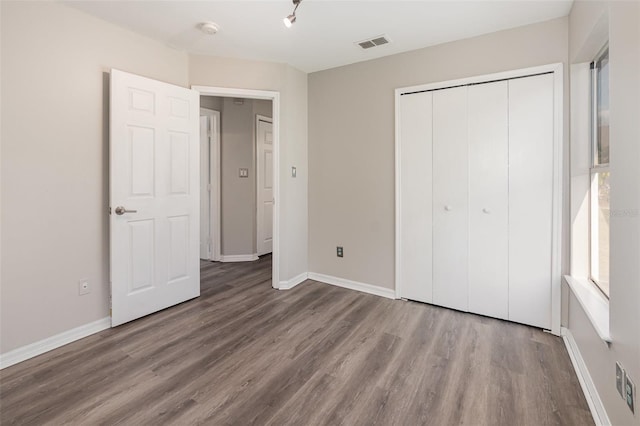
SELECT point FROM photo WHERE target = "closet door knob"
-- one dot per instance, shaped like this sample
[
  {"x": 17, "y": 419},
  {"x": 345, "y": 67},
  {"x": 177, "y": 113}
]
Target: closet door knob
[
  {"x": 448, "y": 208},
  {"x": 487, "y": 211}
]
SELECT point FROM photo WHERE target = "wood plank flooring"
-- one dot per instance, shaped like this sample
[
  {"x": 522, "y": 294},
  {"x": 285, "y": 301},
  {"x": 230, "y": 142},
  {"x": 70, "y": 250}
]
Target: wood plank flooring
[{"x": 244, "y": 353}]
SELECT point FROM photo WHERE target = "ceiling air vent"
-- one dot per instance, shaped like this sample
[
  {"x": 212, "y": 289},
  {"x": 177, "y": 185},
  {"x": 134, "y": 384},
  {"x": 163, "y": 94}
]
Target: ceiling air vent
[{"x": 373, "y": 42}]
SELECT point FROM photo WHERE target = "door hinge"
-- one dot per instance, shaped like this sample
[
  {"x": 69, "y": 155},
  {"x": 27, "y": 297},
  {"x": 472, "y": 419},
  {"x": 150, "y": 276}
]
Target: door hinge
[{"x": 209, "y": 187}]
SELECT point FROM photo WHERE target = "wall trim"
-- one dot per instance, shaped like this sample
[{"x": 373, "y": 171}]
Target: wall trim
[
  {"x": 596, "y": 406},
  {"x": 298, "y": 279},
  {"x": 353, "y": 285},
  {"x": 239, "y": 258},
  {"x": 45, "y": 345}
]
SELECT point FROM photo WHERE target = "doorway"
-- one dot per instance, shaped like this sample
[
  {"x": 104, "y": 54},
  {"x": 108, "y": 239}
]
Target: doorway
[{"x": 239, "y": 185}]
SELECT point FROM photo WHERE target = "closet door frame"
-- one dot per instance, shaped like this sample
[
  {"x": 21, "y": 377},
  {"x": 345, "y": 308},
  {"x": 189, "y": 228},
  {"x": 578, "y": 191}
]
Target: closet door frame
[{"x": 558, "y": 143}]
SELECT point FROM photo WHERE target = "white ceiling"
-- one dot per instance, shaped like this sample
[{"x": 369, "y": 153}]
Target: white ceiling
[{"x": 323, "y": 36}]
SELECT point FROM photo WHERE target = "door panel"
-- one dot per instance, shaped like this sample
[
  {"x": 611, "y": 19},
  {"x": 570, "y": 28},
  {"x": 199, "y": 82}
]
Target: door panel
[
  {"x": 154, "y": 174},
  {"x": 265, "y": 187},
  {"x": 415, "y": 157},
  {"x": 488, "y": 199},
  {"x": 530, "y": 199},
  {"x": 450, "y": 198},
  {"x": 205, "y": 191}
]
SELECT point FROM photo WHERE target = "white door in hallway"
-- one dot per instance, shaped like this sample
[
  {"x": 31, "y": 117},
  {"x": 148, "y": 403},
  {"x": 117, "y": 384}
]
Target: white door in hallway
[
  {"x": 264, "y": 185},
  {"x": 154, "y": 196}
]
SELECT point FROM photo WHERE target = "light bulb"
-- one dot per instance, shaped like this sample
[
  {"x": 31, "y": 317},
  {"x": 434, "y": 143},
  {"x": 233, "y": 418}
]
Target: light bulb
[{"x": 289, "y": 20}]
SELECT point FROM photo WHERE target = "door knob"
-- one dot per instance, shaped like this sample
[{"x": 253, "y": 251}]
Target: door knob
[
  {"x": 448, "y": 208},
  {"x": 121, "y": 210},
  {"x": 485, "y": 210}
]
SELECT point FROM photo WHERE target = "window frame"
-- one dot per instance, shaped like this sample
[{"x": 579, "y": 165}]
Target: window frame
[{"x": 595, "y": 168}]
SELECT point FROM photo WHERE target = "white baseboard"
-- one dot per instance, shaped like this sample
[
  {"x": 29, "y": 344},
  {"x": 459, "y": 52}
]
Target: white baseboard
[
  {"x": 289, "y": 284},
  {"x": 596, "y": 406},
  {"x": 239, "y": 258},
  {"x": 354, "y": 285},
  {"x": 45, "y": 345}
]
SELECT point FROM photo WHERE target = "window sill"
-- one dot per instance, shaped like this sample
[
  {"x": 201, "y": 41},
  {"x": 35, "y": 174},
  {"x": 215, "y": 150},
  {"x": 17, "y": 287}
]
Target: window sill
[{"x": 595, "y": 305}]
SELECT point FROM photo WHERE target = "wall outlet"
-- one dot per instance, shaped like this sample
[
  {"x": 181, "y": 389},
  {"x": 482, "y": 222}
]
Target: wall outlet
[
  {"x": 339, "y": 251},
  {"x": 83, "y": 287},
  {"x": 243, "y": 173},
  {"x": 630, "y": 393},
  {"x": 620, "y": 379}
]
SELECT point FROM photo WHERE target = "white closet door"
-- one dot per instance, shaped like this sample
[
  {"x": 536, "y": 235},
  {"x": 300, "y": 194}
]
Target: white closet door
[
  {"x": 530, "y": 199},
  {"x": 450, "y": 198},
  {"x": 488, "y": 199},
  {"x": 415, "y": 268}
]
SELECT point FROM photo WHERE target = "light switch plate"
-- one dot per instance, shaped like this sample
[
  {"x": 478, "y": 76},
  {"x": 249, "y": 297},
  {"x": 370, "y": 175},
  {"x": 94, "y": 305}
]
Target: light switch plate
[
  {"x": 620, "y": 379},
  {"x": 630, "y": 389},
  {"x": 83, "y": 287},
  {"x": 294, "y": 172},
  {"x": 244, "y": 173}
]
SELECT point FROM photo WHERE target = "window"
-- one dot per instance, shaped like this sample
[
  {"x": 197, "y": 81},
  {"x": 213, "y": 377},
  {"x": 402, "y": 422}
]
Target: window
[{"x": 599, "y": 216}]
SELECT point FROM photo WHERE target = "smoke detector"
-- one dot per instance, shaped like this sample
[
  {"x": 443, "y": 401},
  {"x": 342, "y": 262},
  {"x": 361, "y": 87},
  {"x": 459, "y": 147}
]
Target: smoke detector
[
  {"x": 373, "y": 42},
  {"x": 209, "y": 28}
]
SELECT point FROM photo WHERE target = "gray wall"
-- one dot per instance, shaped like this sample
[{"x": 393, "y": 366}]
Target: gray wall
[
  {"x": 238, "y": 198},
  {"x": 351, "y": 141},
  {"x": 62, "y": 159},
  {"x": 55, "y": 175},
  {"x": 591, "y": 25},
  {"x": 211, "y": 102}
]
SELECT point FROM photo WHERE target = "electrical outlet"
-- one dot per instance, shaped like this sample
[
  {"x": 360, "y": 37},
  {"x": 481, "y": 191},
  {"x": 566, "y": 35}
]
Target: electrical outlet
[
  {"x": 339, "y": 251},
  {"x": 243, "y": 173},
  {"x": 83, "y": 287},
  {"x": 620, "y": 379},
  {"x": 630, "y": 392}
]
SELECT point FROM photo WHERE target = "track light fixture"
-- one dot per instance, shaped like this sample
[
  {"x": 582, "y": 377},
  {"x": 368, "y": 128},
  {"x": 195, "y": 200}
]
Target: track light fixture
[{"x": 289, "y": 20}]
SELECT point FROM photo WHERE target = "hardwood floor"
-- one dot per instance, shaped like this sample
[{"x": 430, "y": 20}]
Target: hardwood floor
[{"x": 244, "y": 353}]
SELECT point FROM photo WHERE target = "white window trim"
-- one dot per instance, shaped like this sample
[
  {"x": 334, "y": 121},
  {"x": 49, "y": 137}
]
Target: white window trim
[
  {"x": 594, "y": 169},
  {"x": 594, "y": 303},
  {"x": 589, "y": 296}
]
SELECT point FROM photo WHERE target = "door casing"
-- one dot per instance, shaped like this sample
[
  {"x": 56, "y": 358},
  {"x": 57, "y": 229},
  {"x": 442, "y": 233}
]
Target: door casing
[{"x": 274, "y": 97}]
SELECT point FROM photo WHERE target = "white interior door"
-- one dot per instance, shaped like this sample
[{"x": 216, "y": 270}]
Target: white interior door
[
  {"x": 205, "y": 189},
  {"x": 209, "y": 184},
  {"x": 264, "y": 173},
  {"x": 450, "y": 198},
  {"x": 530, "y": 199},
  {"x": 415, "y": 192},
  {"x": 154, "y": 196},
  {"x": 488, "y": 199}
]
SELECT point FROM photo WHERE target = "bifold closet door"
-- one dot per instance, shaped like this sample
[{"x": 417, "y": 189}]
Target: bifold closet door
[
  {"x": 530, "y": 199},
  {"x": 450, "y": 198},
  {"x": 488, "y": 199},
  {"x": 415, "y": 197}
]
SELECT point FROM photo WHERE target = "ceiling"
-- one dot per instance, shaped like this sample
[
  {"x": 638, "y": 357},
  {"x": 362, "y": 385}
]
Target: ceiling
[{"x": 325, "y": 32}]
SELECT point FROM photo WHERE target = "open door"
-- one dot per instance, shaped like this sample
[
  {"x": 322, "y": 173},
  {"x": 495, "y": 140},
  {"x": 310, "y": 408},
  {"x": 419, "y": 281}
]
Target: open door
[
  {"x": 264, "y": 173},
  {"x": 154, "y": 196}
]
